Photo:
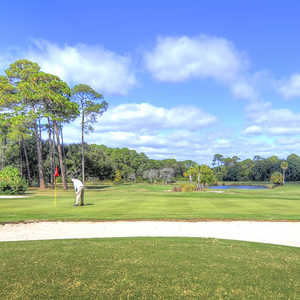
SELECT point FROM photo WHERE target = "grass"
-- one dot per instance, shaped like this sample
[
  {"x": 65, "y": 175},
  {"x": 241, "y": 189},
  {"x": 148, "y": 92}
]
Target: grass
[
  {"x": 148, "y": 268},
  {"x": 157, "y": 202}
]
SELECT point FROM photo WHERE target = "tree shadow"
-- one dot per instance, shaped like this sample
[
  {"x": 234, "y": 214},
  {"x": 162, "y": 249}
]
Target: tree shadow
[{"x": 97, "y": 187}]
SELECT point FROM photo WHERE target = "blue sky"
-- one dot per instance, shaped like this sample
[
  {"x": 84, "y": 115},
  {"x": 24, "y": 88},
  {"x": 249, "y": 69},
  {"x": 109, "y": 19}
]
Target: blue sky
[{"x": 184, "y": 79}]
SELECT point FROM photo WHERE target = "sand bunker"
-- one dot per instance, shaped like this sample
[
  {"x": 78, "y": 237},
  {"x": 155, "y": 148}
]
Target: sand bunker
[
  {"x": 281, "y": 233},
  {"x": 11, "y": 197}
]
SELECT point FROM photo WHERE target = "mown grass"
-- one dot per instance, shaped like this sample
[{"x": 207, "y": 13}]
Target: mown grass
[
  {"x": 157, "y": 202},
  {"x": 148, "y": 268}
]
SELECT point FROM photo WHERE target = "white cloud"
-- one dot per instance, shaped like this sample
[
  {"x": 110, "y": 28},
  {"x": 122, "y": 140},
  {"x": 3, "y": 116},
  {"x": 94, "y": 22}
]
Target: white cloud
[
  {"x": 100, "y": 68},
  {"x": 159, "y": 132},
  {"x": 180, "y": 58},
  {"x": 279, "y": 116},
  {"x": 287, "y": 141},
  {"x": 169, "y": 141},
  {"x": 222, "y": 143},
  {"x": 144, "y": 116},
  {"x": 243, "y": 90},
  {"x": 181, "y": 144},
  {"x": 176, "y": 59},
  {"x": 291, "y": 87},
  {"x": 269, "y": 121},
  {"x": 253, "y": 130},
  {"x": 281, "y": 130}
]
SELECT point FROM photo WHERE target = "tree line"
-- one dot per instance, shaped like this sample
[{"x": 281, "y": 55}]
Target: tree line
[
  {"x": 101, "y": 163},
  {"x": 256, "y": 169},
  {"x": 104, "y": 163}
]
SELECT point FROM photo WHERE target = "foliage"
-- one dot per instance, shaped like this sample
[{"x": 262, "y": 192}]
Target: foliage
[
  {"x": 32, "y": 97},
  {"x": 190, "y": 173},
  {"x": 284, "y": 165},
  {"x": 90, "y": 105},
  {"x": 90, "y": 109},
  {"x": 118, "y": 177},
  {"x": 187, "y": 187},
  {"x": 207, "y": 175},
  {"x": 11, "y": 181},
  {"x": 256, "y": 169},
  {"x": 277, "y": 178}
]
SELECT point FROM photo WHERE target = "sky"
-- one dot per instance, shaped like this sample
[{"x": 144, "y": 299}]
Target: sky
[{"x": 183, "y": 79}]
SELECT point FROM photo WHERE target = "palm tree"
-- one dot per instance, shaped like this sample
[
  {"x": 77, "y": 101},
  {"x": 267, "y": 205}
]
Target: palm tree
[{"x": 284, "y": 166}]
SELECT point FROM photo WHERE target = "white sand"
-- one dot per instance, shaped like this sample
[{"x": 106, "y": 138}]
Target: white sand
[
  {"x": 11, "y": 197},
  {"x": 282, "y": 233}
]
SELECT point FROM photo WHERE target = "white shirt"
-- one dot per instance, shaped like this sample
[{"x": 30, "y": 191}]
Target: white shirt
[{"x": 77, "y": 184}]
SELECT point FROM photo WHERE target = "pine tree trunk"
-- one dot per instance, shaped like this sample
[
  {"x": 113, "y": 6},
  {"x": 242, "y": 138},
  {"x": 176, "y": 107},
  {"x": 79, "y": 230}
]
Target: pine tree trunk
[
  {"x": 39, "y": 154},
  {"x": 54, "y": 148},
  {"x": 3, "y": 146},
  {"x": 21, "y": 158},
  {"x": 51, "y": 154},
  {"x": 60, "y": 155},
  {"x": 198, "y": 188},
  {"x": 63, "y": 147},
  {"x": 26, "y": 162},
  {"x": 82, "y": 148}
]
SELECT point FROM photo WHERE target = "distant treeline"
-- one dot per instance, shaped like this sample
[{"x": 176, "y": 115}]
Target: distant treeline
[
  {"x": 103, "y": 162},
  {"x": 256, "y": 169}
]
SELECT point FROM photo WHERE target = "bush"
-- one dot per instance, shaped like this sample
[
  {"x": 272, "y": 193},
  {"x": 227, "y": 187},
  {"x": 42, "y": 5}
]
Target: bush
[
  {"x": 277, "y": 178},
  {"x": 118, "y": 177},
  {"x": 187, "y": 187},
  {"x": 11, "y": 181},
  {"x": 59, "y": 179}
]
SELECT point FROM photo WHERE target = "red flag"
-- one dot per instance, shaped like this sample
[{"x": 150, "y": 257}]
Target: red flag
[{"x": 56, "y": 172}]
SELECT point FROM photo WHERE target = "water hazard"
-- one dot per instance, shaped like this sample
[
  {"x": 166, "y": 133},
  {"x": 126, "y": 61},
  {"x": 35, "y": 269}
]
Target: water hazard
[{"x": 243, "y": 187}]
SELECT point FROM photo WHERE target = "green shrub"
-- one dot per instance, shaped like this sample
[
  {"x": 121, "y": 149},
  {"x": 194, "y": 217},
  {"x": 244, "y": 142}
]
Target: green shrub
[
  {"x": 277, "y": 178},
  {"x": 118, "y": 177},
  {"x": 11, "y": 181},
  {"x": 59, "y": 179},
  {"x": 187, "y": 187}
]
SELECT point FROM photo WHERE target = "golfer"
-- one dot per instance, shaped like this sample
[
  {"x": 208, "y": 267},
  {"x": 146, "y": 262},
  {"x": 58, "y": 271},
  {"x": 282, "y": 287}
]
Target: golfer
[{"x": 79, "y": 190}]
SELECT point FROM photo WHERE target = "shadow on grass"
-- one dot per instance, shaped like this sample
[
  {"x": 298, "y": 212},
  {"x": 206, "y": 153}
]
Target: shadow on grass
[
  {"x": 97, "y": 187},
  {"x": 86, "y": 204}
]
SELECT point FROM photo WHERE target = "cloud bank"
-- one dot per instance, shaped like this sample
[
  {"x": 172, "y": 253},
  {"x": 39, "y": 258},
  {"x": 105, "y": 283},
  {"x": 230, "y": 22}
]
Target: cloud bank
[
  {"x": 147, "y": 117},
  {"x": 176, "y": 59},
  {"x": 291, "y": 87},
  {"x": 100, "y": 68}
]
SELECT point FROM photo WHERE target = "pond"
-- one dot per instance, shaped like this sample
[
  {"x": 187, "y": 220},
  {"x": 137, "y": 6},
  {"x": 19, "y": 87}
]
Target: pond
[{"x": 244, "y": 187}]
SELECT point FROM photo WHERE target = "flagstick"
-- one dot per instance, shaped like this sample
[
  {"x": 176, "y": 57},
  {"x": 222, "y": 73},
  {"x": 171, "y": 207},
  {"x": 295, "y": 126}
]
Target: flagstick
[{"x": 55, "y": 191}]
